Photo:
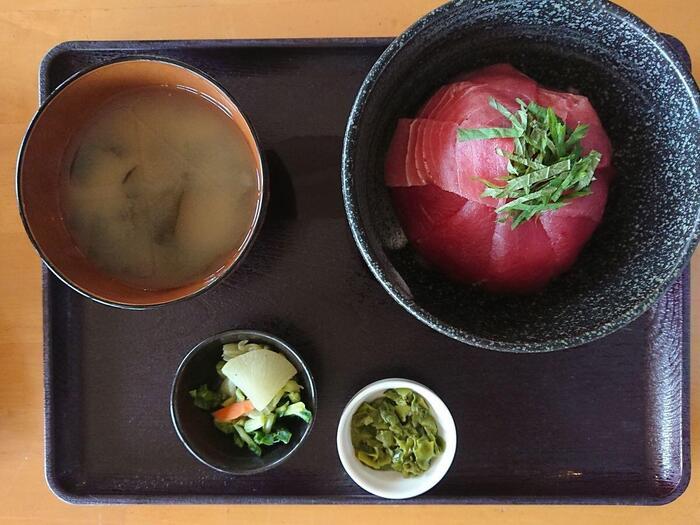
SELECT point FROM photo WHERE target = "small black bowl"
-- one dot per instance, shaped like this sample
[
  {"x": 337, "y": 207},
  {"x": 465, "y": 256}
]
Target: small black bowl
[
  {"x": 648, "y": 103},
  {"x": 194, "y": 426}
]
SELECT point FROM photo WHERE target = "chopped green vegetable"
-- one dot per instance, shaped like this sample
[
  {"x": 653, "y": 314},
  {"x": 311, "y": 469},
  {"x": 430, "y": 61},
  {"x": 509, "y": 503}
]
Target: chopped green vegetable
[
  {"x": 205, "y": 398},
  {"x": 254, "y": 428},
  {"x": 252, "y": 445},
  {"x": 280, "y": 436},
  {"x": 254, "y": 421},
  {"x": 292, "y": 386},
  {"x": 546, "y": 170},
  {"x": 240, "y": 396},
  {"x": 226, "y": 426},
  {"x": 228, "y": 401},
  {"x": 227, "y": 388},
  {"x": 299, "y": 410},
  {"x": 396, "y": 432},
  {"x": 269, "y": 421}
]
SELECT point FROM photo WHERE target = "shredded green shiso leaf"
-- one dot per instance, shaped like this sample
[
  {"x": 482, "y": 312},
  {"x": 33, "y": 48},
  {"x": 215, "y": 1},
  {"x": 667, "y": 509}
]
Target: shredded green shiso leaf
[
  {"x": 258, "y": 428},
  {"x": 396, "y": 432},
  {"x": 546, "y": 170}
]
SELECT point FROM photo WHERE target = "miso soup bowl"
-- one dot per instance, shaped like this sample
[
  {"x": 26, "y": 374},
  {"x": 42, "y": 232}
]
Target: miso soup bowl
[
  {"x": 42, "y": 157},
  {"x": 642, "y": 89}
]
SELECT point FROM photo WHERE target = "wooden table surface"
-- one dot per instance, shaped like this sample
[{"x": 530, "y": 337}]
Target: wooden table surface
[{"x": 27, "y": 30}]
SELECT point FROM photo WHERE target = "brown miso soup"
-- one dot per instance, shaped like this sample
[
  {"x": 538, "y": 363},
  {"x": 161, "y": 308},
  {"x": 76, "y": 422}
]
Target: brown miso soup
[{"x": 161, "y": 187}]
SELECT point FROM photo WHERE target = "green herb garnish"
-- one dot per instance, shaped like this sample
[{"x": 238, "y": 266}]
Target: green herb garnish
[{"x": 546, "y": 170}]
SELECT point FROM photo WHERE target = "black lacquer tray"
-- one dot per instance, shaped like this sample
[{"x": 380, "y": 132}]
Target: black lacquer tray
[{"x": 604, "y": 423}]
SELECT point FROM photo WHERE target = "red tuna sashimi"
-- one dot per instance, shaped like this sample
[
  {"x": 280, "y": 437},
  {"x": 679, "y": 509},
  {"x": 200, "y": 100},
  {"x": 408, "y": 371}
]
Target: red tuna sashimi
[
  {"x": 495, "y": 74},
  {"x": 427, "y": 152},
  {"x": 522, "y": 259},
  {"x": 467, "y": 105},
  {"x": 395, "y": 161},
  {"x": 421, "y": 151},
  {"x": 560, "y": 102},
  {"x": 567, "y": 235},
  {"x": 449, "y": 103},
  {"x": 477, "y": 160},
  {"x": 454, "y": 102},
  {"x": 436, "y": 186},
  {"x": 462, "y": 239},
  {"x": 442, "y": 97},
  {"x": 455, "y": 245},
  {"x": 422, "y": 209}
]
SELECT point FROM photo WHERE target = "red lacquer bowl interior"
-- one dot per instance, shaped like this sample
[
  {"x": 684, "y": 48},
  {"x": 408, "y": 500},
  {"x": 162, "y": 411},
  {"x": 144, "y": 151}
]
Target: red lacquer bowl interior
[{"x": 42, "y": 157}]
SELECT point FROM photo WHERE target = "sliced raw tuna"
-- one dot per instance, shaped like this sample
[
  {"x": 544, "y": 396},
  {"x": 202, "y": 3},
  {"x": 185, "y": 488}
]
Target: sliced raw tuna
[
  {"x": 462, "y": 239},
  {"x": 395, "y": 161},
  {"x": 568, "y": 236},
  {"x": 467, "y": 104},
  {"x": 421, "y": 151},
  {"x": 477, "y": 160},
  {"x": 496, "y": 74},
  {"x": 522, "y": 259},
  {"x": 423, "y": 209},
  {"x": 442, "y": 97},
  {"x": 456, "y": 244},
  {"x": 427, "y": 152},
  {"x": 436, "y": 183}
]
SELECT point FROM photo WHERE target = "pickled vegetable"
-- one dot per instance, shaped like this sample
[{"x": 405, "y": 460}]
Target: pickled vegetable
[
  {"x": 396, "y": 432},
  {"x": 246, "y": 370},
  {"x": 260, "y": 374}
]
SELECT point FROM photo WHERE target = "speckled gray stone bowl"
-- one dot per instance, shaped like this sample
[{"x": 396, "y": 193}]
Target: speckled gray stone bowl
[{"x": 648, "y": 103}]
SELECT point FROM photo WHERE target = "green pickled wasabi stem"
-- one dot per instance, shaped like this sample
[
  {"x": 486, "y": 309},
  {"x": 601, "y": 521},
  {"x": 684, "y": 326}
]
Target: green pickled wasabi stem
[{"x": 396, "y": 432}]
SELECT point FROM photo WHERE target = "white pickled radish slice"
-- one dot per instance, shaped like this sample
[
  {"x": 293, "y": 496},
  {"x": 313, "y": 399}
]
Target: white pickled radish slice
[{"x": 259, "y": 374}]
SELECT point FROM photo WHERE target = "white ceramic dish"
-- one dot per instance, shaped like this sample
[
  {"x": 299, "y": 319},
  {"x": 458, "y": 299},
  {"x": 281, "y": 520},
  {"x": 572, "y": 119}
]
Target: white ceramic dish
[{"x": 389, "y": 484}]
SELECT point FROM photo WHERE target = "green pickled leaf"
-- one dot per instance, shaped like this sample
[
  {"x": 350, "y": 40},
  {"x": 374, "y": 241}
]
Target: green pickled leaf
[
  {"x": 269, "y": 421},
  {"x": 254, "y": 421},
  {"x": 205, "y": 398},
  {"x": 283, "y": 436},
  {"x": 268, "y": 439},
  {"x": 227, "y": 427},
  {"x": 298, "y": 409},
  {"x": 239, "y": 395},
  {"x": 281, "y": 409},
  {"x": 396, "y": 432},
  {"x": 252, "y": 445}
]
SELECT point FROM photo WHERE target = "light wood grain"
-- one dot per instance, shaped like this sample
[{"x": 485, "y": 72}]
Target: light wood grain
[{"x": 27, "y": 30}]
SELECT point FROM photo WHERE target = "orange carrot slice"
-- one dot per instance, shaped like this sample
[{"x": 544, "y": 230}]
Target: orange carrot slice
[{"x": 233, "y": 411}]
